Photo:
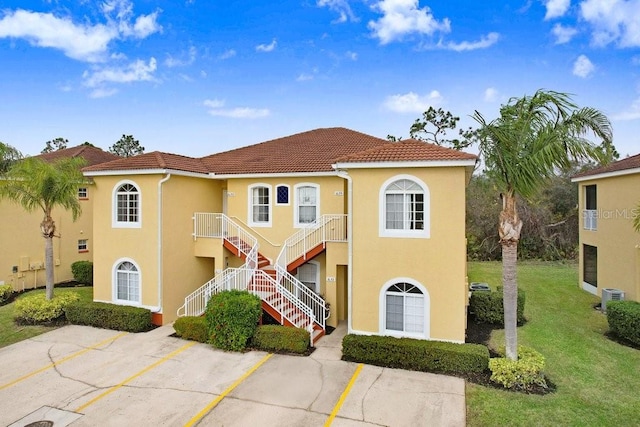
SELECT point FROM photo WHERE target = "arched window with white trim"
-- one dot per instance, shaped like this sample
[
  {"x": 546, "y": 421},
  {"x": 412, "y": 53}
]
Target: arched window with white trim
[
  {"x": 404, "y": 309},
  {"x": 126, "y": 282},
  {"x": 260, "y": 205},
  {"x": 127, "y": 202},
  {"x": 307, "y": 204},
  {"x": 404, "y": 207}
]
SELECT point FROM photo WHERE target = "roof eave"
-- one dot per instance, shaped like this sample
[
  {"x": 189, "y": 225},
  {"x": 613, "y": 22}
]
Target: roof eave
[
  {"x": 406, "y": 164},
  {"x": 116, "y": 172},
  {"x": 606, "y": 175}
]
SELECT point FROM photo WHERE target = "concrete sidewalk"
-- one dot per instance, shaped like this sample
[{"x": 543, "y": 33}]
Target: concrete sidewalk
[{"x": 83, "y": 376}]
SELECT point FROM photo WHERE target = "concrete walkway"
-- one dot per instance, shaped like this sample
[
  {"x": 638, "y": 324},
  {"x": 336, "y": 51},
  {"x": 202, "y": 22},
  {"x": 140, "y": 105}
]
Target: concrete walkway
[{"x": 83, "y": 376}]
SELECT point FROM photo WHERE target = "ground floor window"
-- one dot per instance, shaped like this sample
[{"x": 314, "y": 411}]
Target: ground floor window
[
  {"x": 404, "y": 309},
  {"x": 127, "y": 282},
  {"x": 590, "y": 265},
  {"x": 308, "y": 275}
]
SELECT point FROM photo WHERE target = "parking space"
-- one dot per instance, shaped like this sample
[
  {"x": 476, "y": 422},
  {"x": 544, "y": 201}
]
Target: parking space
[{"x": 84, "y": 376}]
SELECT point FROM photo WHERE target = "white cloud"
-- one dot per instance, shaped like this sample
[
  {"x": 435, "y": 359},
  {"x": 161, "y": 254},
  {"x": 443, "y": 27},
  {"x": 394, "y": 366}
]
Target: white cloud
[
  {"x": 613, "y": 21},
  {"x": 134, "y": 72},
  {"x": 563, "y": 34},
  {"x": 583, "y": 67},
  {"x": 230, "y": 53},
  {"x": 103, "y": 93},
  {"x": 341, "y": 7},
  {"x": 491, "y": 94},
  {"x": 484, "y": 42},
  {"x": 632, "y": 113},
  {"x": 303, "y": 77},
  {"x": 352, "y": 55},
  {"x": 412, "y": 102},
  {"x": 81, "y": 42},
  {"x": 403, "y": 17},
  {"x": 216, "y": 108},
  {"x": 187, "y": 58},
  {"x": 556, "y": 8},
  {"x": 267, "y": 47}
]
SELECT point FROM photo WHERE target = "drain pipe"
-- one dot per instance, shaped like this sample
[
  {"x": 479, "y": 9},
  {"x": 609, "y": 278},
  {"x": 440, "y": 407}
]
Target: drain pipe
[
  {"x": 162, "y": 181},
  {"x": 345, "y": 175}
]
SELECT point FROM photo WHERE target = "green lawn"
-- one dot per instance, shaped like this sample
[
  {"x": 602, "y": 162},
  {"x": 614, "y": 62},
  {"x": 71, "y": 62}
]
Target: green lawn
[
  {"x": 597, "y": 379},
  {"x": 11, "y": 333}
]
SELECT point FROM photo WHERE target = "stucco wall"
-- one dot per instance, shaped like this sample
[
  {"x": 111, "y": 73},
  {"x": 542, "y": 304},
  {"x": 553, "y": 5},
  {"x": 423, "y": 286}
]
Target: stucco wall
[
  {"x": 618, "y": 244},
  {"x": 438, "y": 263}
]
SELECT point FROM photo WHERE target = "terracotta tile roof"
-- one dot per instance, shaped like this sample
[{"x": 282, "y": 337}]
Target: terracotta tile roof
[
  {"x": 311, "y": 151},
  {"x": 153, "y": 160},
  {"x": 93, "y": 155},
  {"x": 409, "y": 150},
  {"x": 632, "y": 162}
]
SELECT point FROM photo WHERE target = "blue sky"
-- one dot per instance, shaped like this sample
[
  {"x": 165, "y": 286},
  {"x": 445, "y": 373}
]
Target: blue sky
[{"x": 197, "y": 77}]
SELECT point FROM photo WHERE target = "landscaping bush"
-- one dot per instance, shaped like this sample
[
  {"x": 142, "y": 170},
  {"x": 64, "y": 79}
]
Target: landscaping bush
[
  {"x": 109, "y": 316},
  {"x": 232, "y": 319},
  {"x": 6, "y": 293},
  {"x": 624, "y": 319},
  {"x": 416, "y": 355},
  {"x": 521, "y": 374},
  {"x": 281, "y": 338},
  {"x": 487, "y": 307},
  {"x": 192, "y": 328},
  {"x": 83, "y": 272},
  {"x": 37, "y": 309}
]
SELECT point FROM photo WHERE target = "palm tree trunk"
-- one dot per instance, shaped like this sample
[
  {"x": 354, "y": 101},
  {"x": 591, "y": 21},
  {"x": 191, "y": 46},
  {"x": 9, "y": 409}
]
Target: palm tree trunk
[
  {"x": 48, "y": 228},
  {"x": 509, "y": 229}
]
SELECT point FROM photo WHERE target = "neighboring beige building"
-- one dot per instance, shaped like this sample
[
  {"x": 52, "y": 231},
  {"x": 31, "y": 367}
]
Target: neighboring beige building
[
  {"x": 373, "y": 228},
  {"x": 609, "y": 246},
  {"x": 22, "y": 248}
]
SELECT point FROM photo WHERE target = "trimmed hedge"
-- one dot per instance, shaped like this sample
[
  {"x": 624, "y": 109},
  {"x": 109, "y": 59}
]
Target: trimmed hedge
[
  {"x": 6, "y": 293},
  {"x": 415, "y": 355},
  {"x": 624, "y": 319},
  {"x": 487, "y": 307},
  {"x": 521, "y": 374},
  {"x": 109, "y": 316},
  {"x": 232, "y": 319},
  {"x": 37, "y": 309},
  {"x": 192, "y": 328},
  {"x": 83, "y": 272},
  {"x": 281, "y": 338}
]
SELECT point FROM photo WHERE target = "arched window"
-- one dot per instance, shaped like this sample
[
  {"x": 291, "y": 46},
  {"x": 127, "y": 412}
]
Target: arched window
[
  {"x": 404, "y": 208},
  {"x": 127, "y": 282},
  {"x": 127, "y": 202},
  {"x": 404, "y": 309},
  {"x": 260, "y": 205},
  {"x": 307, "y": 204}
]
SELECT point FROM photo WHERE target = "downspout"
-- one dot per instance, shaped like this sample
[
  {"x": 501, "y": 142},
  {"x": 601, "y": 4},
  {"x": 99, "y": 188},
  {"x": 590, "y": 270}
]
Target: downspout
[
  {"x": 345, "y": 175},
  {"x": 162, "y": 181}
]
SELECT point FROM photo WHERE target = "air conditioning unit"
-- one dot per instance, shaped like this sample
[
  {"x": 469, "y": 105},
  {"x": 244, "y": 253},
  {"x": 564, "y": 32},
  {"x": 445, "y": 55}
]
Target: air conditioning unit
[{"x": 610, "y": 294}]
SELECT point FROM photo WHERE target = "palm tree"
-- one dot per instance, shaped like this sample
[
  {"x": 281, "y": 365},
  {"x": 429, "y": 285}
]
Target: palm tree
[
  {"x": 636, "y": 218},
  {"x": 533, "y": 138},
  {"x": 34, "y": 183}
]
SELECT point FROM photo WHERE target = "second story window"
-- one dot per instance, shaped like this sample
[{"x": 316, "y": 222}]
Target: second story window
[
  {"x": 83, "y": 194},
  {"x": 126, "y": 206},
  {"x": 260, "y": 205},
  {"x": 306, "y": 204},
  {"x": 590, "y": 214}
]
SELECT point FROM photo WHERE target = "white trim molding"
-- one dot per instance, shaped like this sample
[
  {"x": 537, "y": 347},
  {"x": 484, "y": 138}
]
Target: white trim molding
[
  {"x": 383, "y": 231},
  {"x": 606, "y": 175},
  {"x": 114, "y": 283},
  {"x": 382, "y": 309},
  {"x": 404, "y": 164},
  {"x": 114, "y": 206},
  {"x": 250, "y": 220},
  {"x": 296, "y": 203}
]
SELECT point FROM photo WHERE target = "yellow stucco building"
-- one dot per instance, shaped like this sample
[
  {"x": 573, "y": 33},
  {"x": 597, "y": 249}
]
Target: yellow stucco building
[
  {"x": 22, "y": 248},
  {"x": 609, "y": 246},
  {"x": 325, "y": 226}
]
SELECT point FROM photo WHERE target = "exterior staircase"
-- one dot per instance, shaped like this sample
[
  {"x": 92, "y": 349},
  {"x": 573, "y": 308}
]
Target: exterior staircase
[{"x": 283, "y": 296}]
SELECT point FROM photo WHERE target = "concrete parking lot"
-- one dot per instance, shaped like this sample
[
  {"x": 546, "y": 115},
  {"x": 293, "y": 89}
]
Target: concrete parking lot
[{"x": 83, "y": 376}]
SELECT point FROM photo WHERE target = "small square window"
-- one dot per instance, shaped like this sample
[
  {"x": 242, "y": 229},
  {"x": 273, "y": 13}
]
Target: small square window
[
  {"x": 83, "y": 193},
  {"x": 282, "y": 195},
  {"x": 83, "y": 246}
]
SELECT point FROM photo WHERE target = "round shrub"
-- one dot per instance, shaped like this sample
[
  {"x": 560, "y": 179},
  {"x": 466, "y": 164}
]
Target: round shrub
[
  {"x": 83, "y": 272},
  {"x": 281, "y": 338},
  {"x": 232, "y": 319},
  {"x": 35, "y": 309},
  {"x": 521, "y": 374},
  {"x": 6, "y": 293},
  {"x": 624, "y": 319}
]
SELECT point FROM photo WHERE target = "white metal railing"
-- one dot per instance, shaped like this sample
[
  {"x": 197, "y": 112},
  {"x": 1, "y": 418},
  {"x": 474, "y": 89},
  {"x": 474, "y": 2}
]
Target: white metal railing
[
  {"x": 219, "y": 225},
  {"x": 327, "y": 228},
  {"x": 590, "y": 218}
]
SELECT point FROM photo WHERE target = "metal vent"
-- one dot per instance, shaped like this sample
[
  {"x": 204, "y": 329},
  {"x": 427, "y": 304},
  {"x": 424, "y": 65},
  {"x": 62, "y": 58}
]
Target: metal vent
[{"x": 610, "y": 294}]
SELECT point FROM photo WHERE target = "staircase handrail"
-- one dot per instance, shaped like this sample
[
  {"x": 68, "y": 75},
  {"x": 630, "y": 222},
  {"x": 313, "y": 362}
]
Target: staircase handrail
[{"x": 315, "y": 303}]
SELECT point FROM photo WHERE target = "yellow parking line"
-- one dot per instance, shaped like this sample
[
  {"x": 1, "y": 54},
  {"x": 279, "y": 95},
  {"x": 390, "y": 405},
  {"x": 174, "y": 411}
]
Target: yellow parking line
[
  {"x": 343, "y": 396},
  {"x": 132, "y": 377},
  {"x": 61, "y": 361},
  {"x": 229, "y": 389}
]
